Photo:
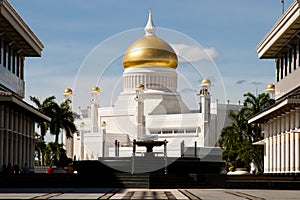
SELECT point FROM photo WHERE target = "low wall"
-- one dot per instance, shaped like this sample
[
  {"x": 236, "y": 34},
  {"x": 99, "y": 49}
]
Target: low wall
[{"x": 149, "y": 180}]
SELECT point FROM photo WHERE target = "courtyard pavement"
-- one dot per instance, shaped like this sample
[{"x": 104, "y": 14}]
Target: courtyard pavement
[{"x": 115, "y": 193}]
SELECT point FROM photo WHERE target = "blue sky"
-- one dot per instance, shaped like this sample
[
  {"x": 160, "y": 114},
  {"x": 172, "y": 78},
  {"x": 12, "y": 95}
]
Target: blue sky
[{"x": 70, "y": 30}]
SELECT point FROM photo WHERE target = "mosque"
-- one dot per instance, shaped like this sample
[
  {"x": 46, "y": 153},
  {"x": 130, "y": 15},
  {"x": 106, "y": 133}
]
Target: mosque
[{"x": 149, "y": 108}]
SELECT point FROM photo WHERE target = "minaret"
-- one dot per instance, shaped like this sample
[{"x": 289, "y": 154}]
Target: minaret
[
  {"x": 205, "y": 108},
  {"x": 68, "y": 95},
  {"x": 140, "y": 117},
  {"x": 95, "y": 94},
  {"x": 270, "y": 90}
]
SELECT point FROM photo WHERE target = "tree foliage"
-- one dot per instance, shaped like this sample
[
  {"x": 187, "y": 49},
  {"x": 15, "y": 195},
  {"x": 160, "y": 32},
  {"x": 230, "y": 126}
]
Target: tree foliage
[
  {"x": 62, "y": 118},
  {"x": 40, "y": 148},
  {"x": 56, "y": 155},
  {"x": 45, "y": 107},
  {"x": 237, "y": 139}
]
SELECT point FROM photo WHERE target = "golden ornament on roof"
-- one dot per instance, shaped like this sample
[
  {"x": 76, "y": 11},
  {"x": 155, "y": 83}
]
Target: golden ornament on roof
[
  {"x": 95, "y": 90},
  {"x": 68, "y": 91},
  {"x": 205, "y": 81},
  {"x": 270, "y": 87}
]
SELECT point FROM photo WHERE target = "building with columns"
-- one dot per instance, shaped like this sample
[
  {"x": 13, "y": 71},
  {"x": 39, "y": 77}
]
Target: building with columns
[
  {"x": 17, "y": 118},
  {"x": 281, "y": 121},
  {"x": 150, "y": 108}
]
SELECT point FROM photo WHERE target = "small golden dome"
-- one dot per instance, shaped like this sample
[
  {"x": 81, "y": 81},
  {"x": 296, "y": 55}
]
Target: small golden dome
[
  {"x": 150, "y": 51},
  {"x": 140, "y": 86},
  {"x": 205, "y": 81},
  {"x": 68, "y": 91},
  {"x": 270, "y": 87},
  {"x": 95, "y": 90}
]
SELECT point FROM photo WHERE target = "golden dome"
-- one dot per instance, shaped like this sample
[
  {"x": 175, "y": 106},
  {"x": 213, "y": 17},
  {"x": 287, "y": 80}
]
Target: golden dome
[
  {"x": 270, "y": 87},
  {"x": 95, "y": 90},
  {"x": 205, "y": 81},
  {"x": 150, "y": 51},
  {"x": 68, "y": 91}
]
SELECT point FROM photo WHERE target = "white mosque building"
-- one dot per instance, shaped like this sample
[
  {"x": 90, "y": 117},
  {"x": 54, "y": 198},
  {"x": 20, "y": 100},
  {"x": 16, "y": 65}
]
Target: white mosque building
[{"x": 149, "y": 108}]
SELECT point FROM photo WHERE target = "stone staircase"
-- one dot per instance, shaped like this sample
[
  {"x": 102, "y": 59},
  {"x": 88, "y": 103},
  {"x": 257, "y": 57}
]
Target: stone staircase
[{"x": 148, "y": 172}]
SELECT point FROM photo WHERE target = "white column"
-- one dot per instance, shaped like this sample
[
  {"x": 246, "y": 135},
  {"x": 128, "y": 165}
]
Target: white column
[
  {"x": 287, "y": 152},
  {"x": 274, "y": 146},
  {"x": 278, "y": 144},
  {"x": 266, "y": 152},
  {"x": 282, "y": 147},
  {"x": 292, "y": 138},
  {"x": 297, "y": 123},
  {"x": 278, "y": 153},
  {"x": 297, "y": 160},
  {"x": 271, "y": 166},
  {"x": 292, "y": 152},
  {"x": 271, "y": 146},
  {"x": 275, "y": 154}
]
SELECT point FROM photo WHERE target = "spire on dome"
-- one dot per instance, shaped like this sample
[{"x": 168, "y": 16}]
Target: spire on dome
[{"x": 150, "y": 28}]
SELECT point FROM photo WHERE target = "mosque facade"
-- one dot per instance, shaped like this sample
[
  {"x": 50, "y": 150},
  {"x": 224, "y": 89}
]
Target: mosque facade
[{"x": 149, "y": 108}]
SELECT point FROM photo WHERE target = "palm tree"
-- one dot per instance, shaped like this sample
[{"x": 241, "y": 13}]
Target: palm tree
[
  {"x": 45, "y": 107},
  {"x": 63, "y": 119},
  {"x": 236, "y": 139},
  {"x": 40, "y": 148},
  {"x": 56, "y": 155},
  {"x": 255, "y": 104},
  {"x": 233, "y": 138}
]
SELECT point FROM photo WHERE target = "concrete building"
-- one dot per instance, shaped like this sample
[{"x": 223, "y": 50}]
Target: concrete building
[
  {"x": 17, "y": 118},
  {"x": 149, "y": 107},
  {"x": 282, "y": 120}
]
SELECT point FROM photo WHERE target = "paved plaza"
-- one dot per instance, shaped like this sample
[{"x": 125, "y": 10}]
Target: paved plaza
[{"x": 114, "y": 193}]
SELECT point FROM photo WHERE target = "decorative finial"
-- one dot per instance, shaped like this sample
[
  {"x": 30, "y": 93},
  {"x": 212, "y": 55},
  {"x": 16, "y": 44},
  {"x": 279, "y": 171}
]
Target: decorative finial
[
  {"x": 150, "y": 28},
  {"x": 68, "y": 91}
]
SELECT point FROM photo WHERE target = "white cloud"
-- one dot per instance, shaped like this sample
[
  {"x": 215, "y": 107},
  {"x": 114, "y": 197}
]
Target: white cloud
[{"x": 192, "y": 53}]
